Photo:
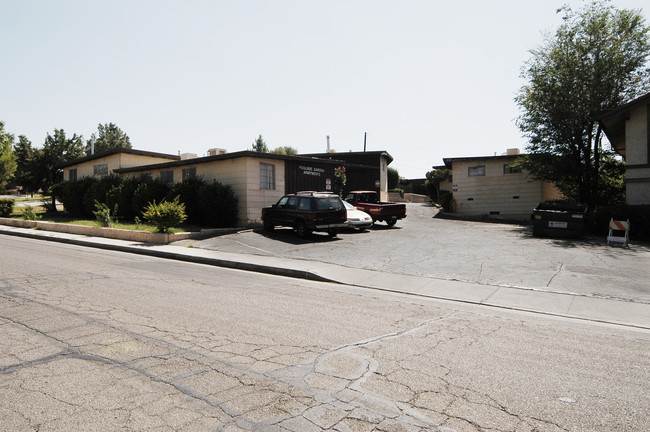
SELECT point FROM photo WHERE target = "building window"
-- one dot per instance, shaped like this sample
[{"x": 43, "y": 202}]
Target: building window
[
  {"x": 100, "y": 170},
  {"x": 72, "y": 174},
  {"x": 267, "y": 176},
  {"x": 189, "y": 173},
  {"x": 476, "y": 171},
  {"x": 167, "y": 177},
  {"x": 511, "y": 169}
]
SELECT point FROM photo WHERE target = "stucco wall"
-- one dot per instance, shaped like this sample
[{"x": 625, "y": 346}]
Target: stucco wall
[
  {"x": 494, "y": 192},
  {"x": 114, "y": 161},
  {"x": 636, "y": 137},
  {"x": 243, "y": 175}
]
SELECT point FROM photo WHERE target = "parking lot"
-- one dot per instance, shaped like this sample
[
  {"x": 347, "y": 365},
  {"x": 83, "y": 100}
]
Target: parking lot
[{"x": 486, "y": 253}]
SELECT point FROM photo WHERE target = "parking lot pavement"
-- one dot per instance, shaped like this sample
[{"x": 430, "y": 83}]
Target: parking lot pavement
[{"x": 485, "y": 253}]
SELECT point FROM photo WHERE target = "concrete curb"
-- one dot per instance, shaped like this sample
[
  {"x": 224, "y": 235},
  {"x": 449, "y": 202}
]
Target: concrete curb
[{"x": 564, "y": 305}]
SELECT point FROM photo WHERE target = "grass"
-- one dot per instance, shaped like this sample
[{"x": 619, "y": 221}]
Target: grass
[{"x": 126, "y": 225}]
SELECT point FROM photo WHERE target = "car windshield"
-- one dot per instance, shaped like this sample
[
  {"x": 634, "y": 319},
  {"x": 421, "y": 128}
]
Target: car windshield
[{"x": 333, "y": 203}]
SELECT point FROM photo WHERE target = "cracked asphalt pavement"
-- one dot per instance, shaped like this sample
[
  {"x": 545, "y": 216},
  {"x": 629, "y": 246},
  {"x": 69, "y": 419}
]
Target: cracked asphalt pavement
[
  {"x": 485, "y": 253},
  {"x": 100, "y": 340}
]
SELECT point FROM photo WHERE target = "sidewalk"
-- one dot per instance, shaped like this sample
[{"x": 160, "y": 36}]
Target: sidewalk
[{"x": 581, "y": 307}]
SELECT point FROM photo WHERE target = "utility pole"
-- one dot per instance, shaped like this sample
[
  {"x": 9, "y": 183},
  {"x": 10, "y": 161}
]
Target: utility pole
[{"x": 365, "y": 134}]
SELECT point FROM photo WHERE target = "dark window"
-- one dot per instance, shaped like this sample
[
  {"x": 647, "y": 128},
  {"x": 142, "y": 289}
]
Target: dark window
[
  {"x": 167, "y": 177},
  {"x": 333, "y": 203},
  {"x": 511, "y": 169},
  {"x": 476, "y": 171},
  {"x": 282, "y": 202},
  {"x": 72, "y": 174},
  {"x": 189, "y": 173},
  {"x": 305, "y": 204},
  {"x": 267, "y": 176},
  {"x": 292, "y": 203},
  {"x": 100, "y": 170}
]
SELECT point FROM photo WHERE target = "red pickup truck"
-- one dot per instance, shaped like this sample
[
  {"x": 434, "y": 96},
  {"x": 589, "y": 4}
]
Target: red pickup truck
[{"x": 368, "y": 202}]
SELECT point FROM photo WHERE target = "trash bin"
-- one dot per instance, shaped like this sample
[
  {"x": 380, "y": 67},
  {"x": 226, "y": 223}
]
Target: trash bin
[{"x": 559, "y": 219}]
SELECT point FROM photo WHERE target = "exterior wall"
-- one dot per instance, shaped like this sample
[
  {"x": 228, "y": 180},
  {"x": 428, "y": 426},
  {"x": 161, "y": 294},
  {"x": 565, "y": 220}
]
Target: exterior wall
[
  {"x": 243, "y": 175},
  {"x": 383, "y": 179},
  {"x": 636, "y": 137},
  {"x": 506, "y": 195},
  {"x": 637, "y": 159},
  {"x": 114, "y": 161}
]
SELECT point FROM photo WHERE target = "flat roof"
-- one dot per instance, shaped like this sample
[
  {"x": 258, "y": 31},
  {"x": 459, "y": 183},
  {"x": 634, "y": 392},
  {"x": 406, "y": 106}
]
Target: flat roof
[
  {"x": 226, "y": 156},
  {"x": 449, "y": 161},
  {"x": 117, "y": 151}
]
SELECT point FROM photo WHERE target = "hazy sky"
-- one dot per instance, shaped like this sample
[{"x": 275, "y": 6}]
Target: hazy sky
[{"x": 425, "y": 79}]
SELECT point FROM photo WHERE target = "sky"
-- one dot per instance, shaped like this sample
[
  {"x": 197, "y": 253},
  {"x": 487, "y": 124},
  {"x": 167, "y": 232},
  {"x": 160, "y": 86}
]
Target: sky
[{"x": 424, "y": 79}]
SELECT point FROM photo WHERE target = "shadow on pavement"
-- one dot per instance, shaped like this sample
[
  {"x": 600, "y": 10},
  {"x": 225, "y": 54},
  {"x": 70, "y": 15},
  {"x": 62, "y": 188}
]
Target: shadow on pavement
[{"x": 288, "y": 235}]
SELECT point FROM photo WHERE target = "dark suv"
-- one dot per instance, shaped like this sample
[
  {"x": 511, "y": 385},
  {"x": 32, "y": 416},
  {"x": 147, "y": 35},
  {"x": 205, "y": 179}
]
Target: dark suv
[{"x": 306, "y": 212}]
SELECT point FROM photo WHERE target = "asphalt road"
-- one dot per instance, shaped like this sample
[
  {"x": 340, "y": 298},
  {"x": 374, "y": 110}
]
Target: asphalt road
[
  {"x": 100, "y": 340},
  {"x": 486, "y": 253}
]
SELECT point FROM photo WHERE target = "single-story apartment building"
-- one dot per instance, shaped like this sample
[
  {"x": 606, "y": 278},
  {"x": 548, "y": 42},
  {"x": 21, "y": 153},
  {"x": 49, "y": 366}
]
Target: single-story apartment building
[
  {"x": 628, "y": 130},
  {"x": 492, "y": 186},
  {"x": 258, "y": 179}
]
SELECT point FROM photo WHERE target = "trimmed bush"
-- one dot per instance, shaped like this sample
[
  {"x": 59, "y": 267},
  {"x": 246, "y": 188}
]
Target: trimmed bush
[
  {"x": 217, "y": 205},
  {"x": 98, "y": 191},
  {"x": 6, "y": 207},
  {"x": 147, "y": 192},
  {"x": 71, "y": 194},
  {"x": 165, "y": 215},
  {"x": 104, "y": 215},
  {"x": 188, "y": 193},
  {"x": 29, "y": 214}
]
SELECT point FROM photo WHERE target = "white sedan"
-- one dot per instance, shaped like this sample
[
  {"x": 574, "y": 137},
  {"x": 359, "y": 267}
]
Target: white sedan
[{"x": 357, "y": 218}]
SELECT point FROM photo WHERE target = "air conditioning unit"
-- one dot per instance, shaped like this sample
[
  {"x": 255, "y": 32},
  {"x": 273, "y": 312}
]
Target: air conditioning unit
[
  {"x": 185, "y": 156},
  {"x": 216, "y": 151}
]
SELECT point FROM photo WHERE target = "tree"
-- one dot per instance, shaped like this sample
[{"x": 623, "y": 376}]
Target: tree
[
  {"x": 108, "y": 137},
  {"x": 28, "y": 174},
  {"x": 7, "y": 157},
  {"x": 595, "y": 61},
  {"x": 393, "y": 178},
  {"x": 432, "y": 183},
  {"x": 56, "y": 150},
  {"x": 286, "y": 150},
  {"x": 259, "y": 145}
]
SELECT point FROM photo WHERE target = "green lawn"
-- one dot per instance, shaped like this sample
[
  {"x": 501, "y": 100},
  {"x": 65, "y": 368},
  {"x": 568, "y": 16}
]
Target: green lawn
[{"x": 60, "y": 217}]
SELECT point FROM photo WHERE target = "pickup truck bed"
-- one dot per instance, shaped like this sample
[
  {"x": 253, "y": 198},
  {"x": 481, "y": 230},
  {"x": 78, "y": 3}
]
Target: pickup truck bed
[{"x": 368, "y": 202}]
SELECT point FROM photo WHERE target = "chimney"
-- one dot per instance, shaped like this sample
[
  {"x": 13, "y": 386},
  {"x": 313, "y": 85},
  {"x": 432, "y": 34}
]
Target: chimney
[
  {"x": 328, "y": 143},
  {"x": 512, "y": 151}
]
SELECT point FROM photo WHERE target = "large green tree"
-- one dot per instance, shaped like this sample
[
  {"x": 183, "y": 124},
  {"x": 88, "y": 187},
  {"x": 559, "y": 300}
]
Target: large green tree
[
  {"x": 108, "y": 137},
  {"x": 594, "y": 62},
  {"x": 259, "y": 145},
  {"x": 7, "y": 157},
  {"x": 29, "y": 173},
  {"x": 56, "y": 150},
  {"x": 285, "y": 150}
]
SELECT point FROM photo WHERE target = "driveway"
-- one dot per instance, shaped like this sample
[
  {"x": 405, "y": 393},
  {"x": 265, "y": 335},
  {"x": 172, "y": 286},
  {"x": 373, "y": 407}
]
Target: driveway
[{"x": 486, "y": 253}]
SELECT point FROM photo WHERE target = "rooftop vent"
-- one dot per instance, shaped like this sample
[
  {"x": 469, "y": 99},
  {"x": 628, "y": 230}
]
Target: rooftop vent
[
  {"x": 216, "y": 151},
  {"x": 185, "y": 156},
  {"x": 512, "y": 151}
]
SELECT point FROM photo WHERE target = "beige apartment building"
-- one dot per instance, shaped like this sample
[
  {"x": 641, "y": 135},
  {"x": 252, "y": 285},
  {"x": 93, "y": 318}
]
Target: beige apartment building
[
  {"x": 492, "y": 186},
  {"x": 628, "y": 130},
  {"x": 258, "y": 179}
]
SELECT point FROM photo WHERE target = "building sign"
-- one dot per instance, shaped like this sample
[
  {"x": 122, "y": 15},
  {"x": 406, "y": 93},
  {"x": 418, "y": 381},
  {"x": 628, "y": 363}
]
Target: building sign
[
  {"x": 308, "y": 170},
  {"x": 328, "y": 184},
  {"x": 377, "y": 184},
  {"x": 454, "y": 188}
]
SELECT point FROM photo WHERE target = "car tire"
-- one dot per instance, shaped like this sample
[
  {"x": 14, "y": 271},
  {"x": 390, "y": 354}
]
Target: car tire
[
  {"x": 391, "y": 222},
  {"x": 302, "y": 230},
  {"x": 332, "y": 233},
  {"x": 268, "y": 225}
]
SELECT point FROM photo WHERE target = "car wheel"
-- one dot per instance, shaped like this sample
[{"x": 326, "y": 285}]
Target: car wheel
[
  {"x": 332, "y": 233},
  {"x": 302, "y": 230},
  {"x": 268, "y": 225},
  {"x": 391, "y": 222}
]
